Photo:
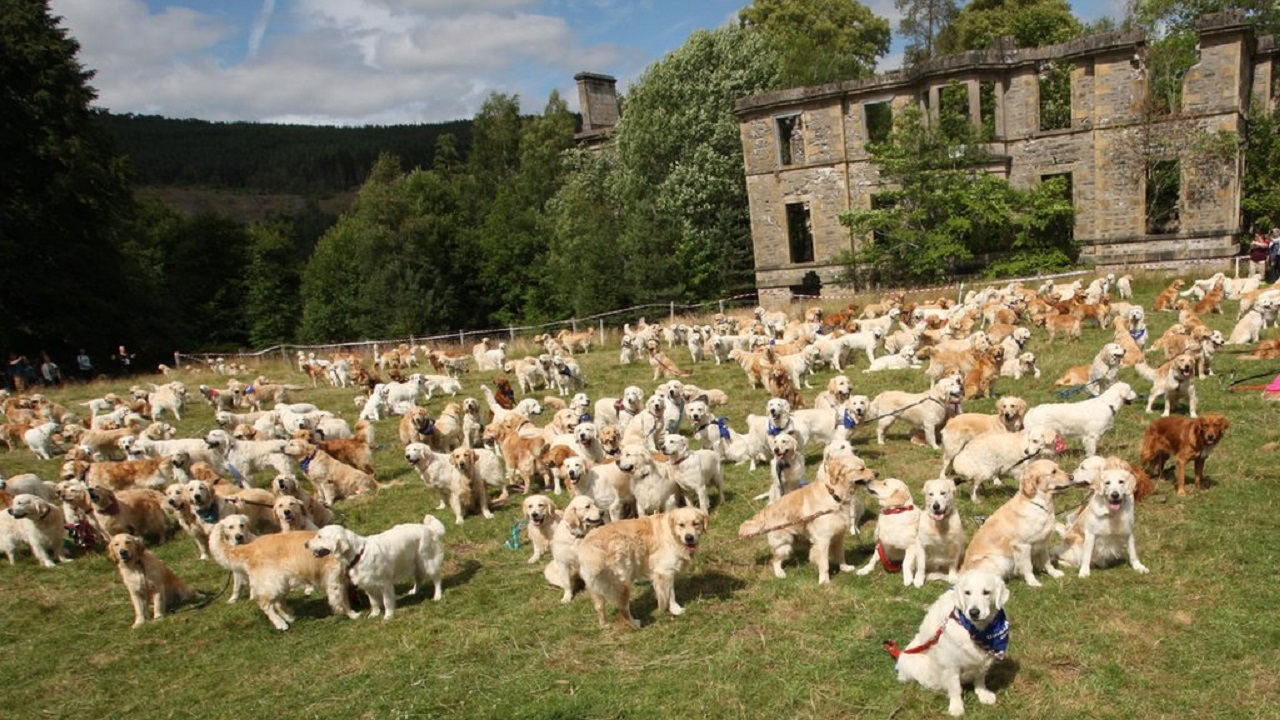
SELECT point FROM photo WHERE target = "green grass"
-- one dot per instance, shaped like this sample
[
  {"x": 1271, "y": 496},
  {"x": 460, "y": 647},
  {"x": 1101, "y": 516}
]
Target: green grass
[{"x": 1196, "y": 637}]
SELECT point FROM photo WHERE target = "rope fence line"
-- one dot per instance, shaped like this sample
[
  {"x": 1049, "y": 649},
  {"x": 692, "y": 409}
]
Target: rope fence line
[{"x": 672, "y": 308}]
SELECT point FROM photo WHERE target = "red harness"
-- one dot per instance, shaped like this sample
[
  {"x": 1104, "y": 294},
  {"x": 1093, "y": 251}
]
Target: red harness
[
  {"x": 895, "y": 651},
  {"x": 880, "y": 553}
]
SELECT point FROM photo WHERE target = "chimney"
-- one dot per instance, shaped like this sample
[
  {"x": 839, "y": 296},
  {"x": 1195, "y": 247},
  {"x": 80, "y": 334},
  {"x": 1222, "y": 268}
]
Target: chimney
[{"x": 598, "y": 100}]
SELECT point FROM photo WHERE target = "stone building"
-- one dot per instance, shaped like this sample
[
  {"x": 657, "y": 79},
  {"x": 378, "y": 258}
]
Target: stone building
[
  {"x": 806, "y": 158},
  {"x": 598, "y": 103}
]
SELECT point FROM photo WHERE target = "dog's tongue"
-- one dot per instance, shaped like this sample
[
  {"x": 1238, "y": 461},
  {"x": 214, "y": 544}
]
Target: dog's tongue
[
  {"x": 1114, "y": 505},
  {"x": 691, "y": 548},
  {"x": 938, "y": 515}
]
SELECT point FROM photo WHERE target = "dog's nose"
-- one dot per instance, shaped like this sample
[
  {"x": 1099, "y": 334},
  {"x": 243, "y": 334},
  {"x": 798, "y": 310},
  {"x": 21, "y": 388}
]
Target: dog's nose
[
  {"x": 124, "y": 554},
  {"x": 975, "y": 613},
  {"x": 239, "y": 539}
]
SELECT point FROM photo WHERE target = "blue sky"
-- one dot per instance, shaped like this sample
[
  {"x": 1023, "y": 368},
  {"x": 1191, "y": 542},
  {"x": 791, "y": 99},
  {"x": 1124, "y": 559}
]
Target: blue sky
[{"x": 354, "y": 62}]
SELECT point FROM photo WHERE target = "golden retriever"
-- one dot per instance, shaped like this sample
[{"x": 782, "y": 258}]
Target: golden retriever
[
  {"x": 1183, "y": 440},
  {"x": 614, "y": 556},
  {"x": 137, "y": 511},
  {"x": 1171, "y": 381},
  {"x": 291, "y": 514},
  {"x": 817, "y": 513},
  {"x": 146, "y": 577},
  {"x": 964, "y": 632},
  {"x": 376, "y": 562},
  {"x": 1164, "y": 301},
  {"x": 333, "y": 479},
  {"x": 1102, "y": 531},
  {"x": 542, "y": 517},
  {"x": 36, "y": 522},
  {"x": 928, "y": 410},
  {"x": 940, "y": 538},
  {"x": 319, "y": 513},
  {"x": 276, "y": 564},
  {"x": 896, "y": 528},
  {"x": 580, "y": 517},
  {"x": 961, "y": 429},
  {"x": 1015, "y": 539}
]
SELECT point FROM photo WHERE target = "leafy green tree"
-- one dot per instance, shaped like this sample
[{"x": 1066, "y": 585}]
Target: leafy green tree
[
  {"x": 1032, "y": 23},
  {"x": 921, "y": 23},
  {"x": 585, "y": 260},
  {"x": 677, "y": 175},
  {"x": 819, "y": 41},
  {"x": 941, "y": 214},
  {"x": 272, "y": 304},
  {"x": 1174, "y": 16},
  {"x": 1260, "y": 200},
  {"x": 63, "y": 195}
]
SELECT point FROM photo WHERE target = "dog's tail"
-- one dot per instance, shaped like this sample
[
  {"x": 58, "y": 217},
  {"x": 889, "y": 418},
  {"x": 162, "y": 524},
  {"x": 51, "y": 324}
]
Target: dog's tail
[
  {"x": 364, "y": 432},
  {"x": 1143, "y": 485},
  {"x": 1146, "y": 371}
]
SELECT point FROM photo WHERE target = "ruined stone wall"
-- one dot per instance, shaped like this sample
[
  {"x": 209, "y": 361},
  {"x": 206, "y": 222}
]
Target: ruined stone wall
[{"x": 1107, "y": 147}]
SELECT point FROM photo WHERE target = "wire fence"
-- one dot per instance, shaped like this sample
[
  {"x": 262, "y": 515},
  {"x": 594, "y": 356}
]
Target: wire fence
[{"x": 616, "y": 318}]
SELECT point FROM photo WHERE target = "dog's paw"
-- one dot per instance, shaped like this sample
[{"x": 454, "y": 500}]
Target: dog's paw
[
  {"x": 1140, "y": 568},
  {"x": 985, "y": 696},
  {"x": 956, "y": 708},
  {"x": 1053, "y": 571},
  {"x": 866, "y": 570}
]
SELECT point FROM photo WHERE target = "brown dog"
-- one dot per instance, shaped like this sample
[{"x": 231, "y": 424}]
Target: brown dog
[
  {"x": 333, "y": 480},
  {"x": 1164, "y": 301},
  {"x": 1183, "y": 440},
  {"x": 134, "y": 512},
  {"x": 146, "y": 577}
]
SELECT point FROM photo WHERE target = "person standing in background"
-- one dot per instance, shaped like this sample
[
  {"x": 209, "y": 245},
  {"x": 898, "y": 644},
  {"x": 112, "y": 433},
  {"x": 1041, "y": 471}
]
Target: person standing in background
[{"x": 84, "y": 366}]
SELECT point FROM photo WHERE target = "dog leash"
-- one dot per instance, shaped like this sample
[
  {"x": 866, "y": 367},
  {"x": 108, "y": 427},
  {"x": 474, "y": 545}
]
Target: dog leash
[{"x": 513, "y": 542}]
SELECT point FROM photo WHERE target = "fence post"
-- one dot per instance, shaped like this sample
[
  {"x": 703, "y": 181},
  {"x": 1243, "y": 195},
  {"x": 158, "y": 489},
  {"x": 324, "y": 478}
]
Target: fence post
[
  {"x": 574, "y": 324},
  {"x": 462, "y": 340},
  {"x": 673, "y": 312},
  {"x": 601, "y": 332},
  {"x": 512, "y": 333},
  {"x": 721, "y": 307}
]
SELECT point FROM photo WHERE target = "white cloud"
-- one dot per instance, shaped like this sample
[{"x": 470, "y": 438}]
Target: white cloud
[{"x": 329, "y": 61}]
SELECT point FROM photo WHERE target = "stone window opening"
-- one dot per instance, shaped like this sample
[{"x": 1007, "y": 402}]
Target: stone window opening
[
  {"x": 878, "y": 117},
  {"x": 800, "y": 233},
  {"x": 1164, "y": 188},
  {"x": 790, "y": 140},
  {"x": 987, "y": 108},
  {"x": 1054, "y": 81},
  {"x": 953, "y": 110},
  {"x": 1068, "y": 192}
]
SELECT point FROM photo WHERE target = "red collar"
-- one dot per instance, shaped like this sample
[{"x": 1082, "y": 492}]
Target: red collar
[{"x": 898, "y": 510}]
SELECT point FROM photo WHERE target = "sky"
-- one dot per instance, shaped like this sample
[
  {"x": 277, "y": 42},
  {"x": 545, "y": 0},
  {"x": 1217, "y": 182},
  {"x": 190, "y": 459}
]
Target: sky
[{"x": 380, "y": 62}]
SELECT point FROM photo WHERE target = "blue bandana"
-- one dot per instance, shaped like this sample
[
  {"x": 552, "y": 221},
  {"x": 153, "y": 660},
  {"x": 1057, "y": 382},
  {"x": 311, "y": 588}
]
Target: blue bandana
[
  {"x": 585, "y": 417},
  {"x": 305, "y": 463},
  {"x": 773, "y": 429},
  {"x": 1138, "y": 334},
  {"x": 426, "y": 427},
  {"x": 209, "y": 514},
  {"x": 848, "y": 421},
  {"x": 722, "y": 422},
  {"x": 994, "y": 640},
  {"x": 248, "y": 390}
]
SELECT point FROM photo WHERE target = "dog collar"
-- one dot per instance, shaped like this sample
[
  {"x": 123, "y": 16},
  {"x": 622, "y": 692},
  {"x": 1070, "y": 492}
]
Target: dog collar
[
  {"x": 584, "y": 417},
  {"x": 208, "y": 514},
  {"x": 306, "y": 463},
  {"x": 847, "y": 420},
  {"x": 898, "y": 510},
  {"x": 773, "y": 429},
  {"x": 426, "y": 427}
]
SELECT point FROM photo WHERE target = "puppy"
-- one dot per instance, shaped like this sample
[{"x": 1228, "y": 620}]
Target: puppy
[
  {"x": 580, "y": 516},
  {"x": 1184, "y": 440},
  {"x": 1015, "y": 539},
  {"x": 818, "y": 513},
  {"x": 146, "y": 577},
  {"x": 1102, "y": 532},
  {"x": 375, "y": 563},
  {"x": 37, "y": 523},
  {"x": 614, "y": 556},
  {"x": 964, "y": 632},
  {"x": 543, "y": 517},
  {"x": 940, "y": 539}
]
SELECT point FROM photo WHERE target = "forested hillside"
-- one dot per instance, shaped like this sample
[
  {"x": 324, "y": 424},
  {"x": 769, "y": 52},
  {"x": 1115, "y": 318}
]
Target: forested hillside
[{"x": 262, "y": 157}]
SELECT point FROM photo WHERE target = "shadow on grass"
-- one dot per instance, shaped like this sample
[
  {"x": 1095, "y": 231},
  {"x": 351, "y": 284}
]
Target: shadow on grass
[
  {"x": 705, "y": 586},
  {"x": 1002, "y": 674}
]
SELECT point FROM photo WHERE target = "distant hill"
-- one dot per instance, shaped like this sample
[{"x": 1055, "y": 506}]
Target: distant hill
[{"x": 266, "y": 158}]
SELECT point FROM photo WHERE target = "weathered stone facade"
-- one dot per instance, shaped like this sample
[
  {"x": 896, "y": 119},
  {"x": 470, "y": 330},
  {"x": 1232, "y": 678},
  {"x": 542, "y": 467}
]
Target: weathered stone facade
[
  {"x": 598, "y": 103},
  {"x": 806, "y": 147}
]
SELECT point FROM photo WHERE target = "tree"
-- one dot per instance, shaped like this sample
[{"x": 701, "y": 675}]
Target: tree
[
  {"x": 585, "y": 258},
  {"x": 922, "y": 22},
  {"x": 819, "y": 41},
  {"x": 1032, "y": 23},
  {"x": 1173, "y": 16},
  {"x": 272, "y": 304},
  {"x": 940, "y": 214},
  {"x": 677, "y": 174},
  {"x": 1260, "y": 200},
  {"x": 63, "y": 195}
]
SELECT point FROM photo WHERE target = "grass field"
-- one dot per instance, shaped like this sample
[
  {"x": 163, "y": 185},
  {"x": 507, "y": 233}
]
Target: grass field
[{"x": 1196, "y": 637}]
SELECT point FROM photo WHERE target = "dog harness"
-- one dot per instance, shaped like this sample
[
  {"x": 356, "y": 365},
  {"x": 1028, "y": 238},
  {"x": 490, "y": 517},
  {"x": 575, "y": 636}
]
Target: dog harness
[{"x": 888, "y": 564}]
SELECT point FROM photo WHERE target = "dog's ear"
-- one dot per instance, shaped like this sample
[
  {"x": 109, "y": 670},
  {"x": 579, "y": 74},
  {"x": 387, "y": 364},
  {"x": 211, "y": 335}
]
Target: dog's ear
[
  {"x": 1002, "y": 596},
  {"x": 1029, "y": 483}
]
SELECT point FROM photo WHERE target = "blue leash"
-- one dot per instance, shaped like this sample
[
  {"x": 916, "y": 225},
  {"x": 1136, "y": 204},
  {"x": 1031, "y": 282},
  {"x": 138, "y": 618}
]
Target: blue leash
[{"x": 513, "y": 542}]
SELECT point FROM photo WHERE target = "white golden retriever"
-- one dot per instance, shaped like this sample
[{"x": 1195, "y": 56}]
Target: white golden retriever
[
  {"x": 962, "y": 635},
  {"x": 376, "y": 562},
  {"x": 1087, "y": 419},
  {"x": 580, "y": 516},
  {"x": 1102, "y": 532}
]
